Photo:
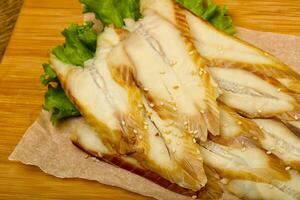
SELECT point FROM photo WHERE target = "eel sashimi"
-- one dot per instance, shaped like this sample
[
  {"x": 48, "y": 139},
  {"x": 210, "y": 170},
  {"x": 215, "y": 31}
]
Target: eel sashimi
[
  {"x": 183, "y": 91},
  {"x": 246, "y": 189},
  {"x": 241, "y": 61},
  {"x": 279, "y": 140},
  {"x": 180, "y": 144},
  {"x": 249, "y": 66},
  {"x": 223, "y": 50},
  {"x": 112, "y": 110},
  {"x": 86, "y": 138}
]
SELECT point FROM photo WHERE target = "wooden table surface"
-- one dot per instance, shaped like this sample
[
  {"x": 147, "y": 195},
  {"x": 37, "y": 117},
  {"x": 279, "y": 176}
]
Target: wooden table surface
[{"x": 21, "y": 95}]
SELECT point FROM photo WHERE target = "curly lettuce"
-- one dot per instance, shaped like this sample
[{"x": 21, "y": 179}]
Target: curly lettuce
[
  {"x": 113, "y": 11},
  {"x": 56, "y": 100},
  {"x": 80, "y": 44},
  {"x": 208, "y": 10}
]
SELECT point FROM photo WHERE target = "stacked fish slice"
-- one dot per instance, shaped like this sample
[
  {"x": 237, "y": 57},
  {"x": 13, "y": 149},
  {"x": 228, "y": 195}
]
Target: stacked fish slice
[{"x": 197, "y": 111}]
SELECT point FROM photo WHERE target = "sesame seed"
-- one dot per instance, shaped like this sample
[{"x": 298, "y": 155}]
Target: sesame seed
[
  {"x": 174, "y": 108},
  {"x": 224, "y": 181},
  {"x": 269, "y": 152},
  {"x": 162, "y": 103},
  {"x": 195, "y": 132},
  {"x": 151, "y": 105},
  {"x": 239, "y": 122},
  {"x": 225, "y": 125},
  {"x": 243, "y": 143},
  {"x": 135, "y": 131},
  {"x": 123, "y": 122},
  {"x": 174, "y": 62},
  {"x": 260, "y": 127},
  {"x": 140, "y": 137},
  {"x": 296, "y": 117},
  {"x": 255, "y": 138},
  {"x": 259, "y": 111},
  {"x": 202, "y": 111},
  {"x": 287, "y": 168},
  {"x": 279, "y": 89},
  {"x": 194, "y": 140},
  {"x": 194, "y": 197},
  {"x": 145, "y": 127},
  {"x": 243, "y": 149},
  {"x": 186, "y": 123},
  {"x": 140, "y": 105},
  {"x": 191, "y": 52},
  {"x": 146, "y": 89}
]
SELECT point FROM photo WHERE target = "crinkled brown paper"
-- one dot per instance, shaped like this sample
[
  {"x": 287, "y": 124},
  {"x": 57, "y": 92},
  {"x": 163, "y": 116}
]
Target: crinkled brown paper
[{"x": 51, "y": 150}]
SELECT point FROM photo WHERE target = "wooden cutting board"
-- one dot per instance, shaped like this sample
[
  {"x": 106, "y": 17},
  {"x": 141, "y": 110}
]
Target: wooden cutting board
[{"x": 21, "y": 95}]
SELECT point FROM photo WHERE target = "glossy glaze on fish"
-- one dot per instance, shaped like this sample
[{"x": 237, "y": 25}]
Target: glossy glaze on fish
[
  {"x": 98, "y": 90},
  {"x": 183, "y": 91}
]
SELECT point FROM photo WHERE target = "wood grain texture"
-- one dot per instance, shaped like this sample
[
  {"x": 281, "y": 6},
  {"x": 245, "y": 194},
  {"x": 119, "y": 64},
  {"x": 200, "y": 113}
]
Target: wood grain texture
[{"x": 21, "y": 95}]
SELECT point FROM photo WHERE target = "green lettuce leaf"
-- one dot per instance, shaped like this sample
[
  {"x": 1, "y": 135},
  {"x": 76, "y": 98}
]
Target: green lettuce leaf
[
  {"x": 56, "y": 100},
  {"x": 211, "y": 12},
  {"x": 80, "y": 44},
  {"x": 113, "y": 11}
]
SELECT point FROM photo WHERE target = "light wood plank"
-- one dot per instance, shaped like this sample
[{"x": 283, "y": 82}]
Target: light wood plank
[{"x": 21, "y": 95}]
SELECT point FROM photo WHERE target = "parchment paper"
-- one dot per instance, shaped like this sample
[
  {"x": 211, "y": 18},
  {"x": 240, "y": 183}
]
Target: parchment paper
[{"x": 51, "y": 150}]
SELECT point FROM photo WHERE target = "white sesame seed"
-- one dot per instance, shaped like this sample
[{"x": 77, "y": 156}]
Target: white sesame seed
[
  {"x": 202, "y": 111},
  {"x": 194, "y": 140},
  {"x": 191, "y": 52},
  {"x": 287, "y": 168},
  {"x": 296, "y": 117},
  {"x": 224, "y": 181},
  {"x": 269, "y": 152},
  {"x": 239, "y": 122},
  {"x": 151, "y": 105},
  {"x": 162, "y": 103},
  {"x": 194, "y": 197},
  {"x": 140, "y": 105},
  {"x": 146, "y": 89},
  {"x": 195, "y": 132},
  {"x": 174, "y": 108},
  {"x": 123, "y": 122},
  {"x": 259, "y": 111},
  {"x": 135, "y": 131},
  {"x": 279, "y": 89},
  {"x": 145, "y": 127},
  {"x": 140, "y": 137},
  {"x": 255, "y": 138},
  {"x": 173, "y": 62},
  {"x": 243, "y": 143},
  {"x": 186, "y": 123},
  {"x": 273, "y": 148}
]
